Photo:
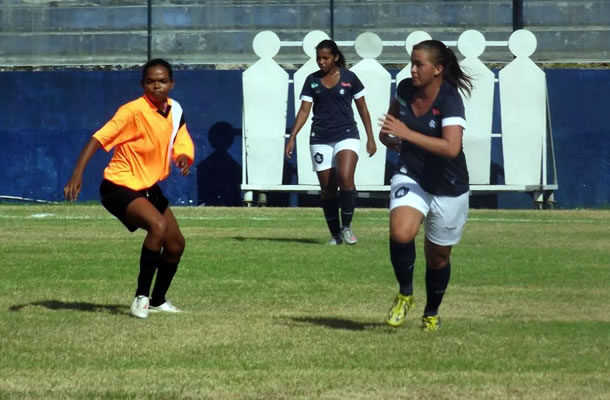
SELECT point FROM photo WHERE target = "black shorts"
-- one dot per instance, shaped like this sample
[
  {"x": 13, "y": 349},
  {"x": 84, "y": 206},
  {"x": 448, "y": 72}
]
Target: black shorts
[{"x": 116, "y": 198}]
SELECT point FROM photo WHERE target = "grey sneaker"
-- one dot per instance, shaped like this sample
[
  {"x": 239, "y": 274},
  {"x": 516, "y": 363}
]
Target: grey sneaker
[
  {"x": 335, "y": 239},
  {"x": 348, "y": 235},
  {"x": 139, "y": 307}
]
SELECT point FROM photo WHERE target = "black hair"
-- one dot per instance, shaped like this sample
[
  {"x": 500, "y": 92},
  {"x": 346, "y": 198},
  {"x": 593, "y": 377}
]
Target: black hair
[
  {"x": 443, "y": 55},
  {"x": 334, "y": 50},
  {"x": 157, "y": 62}
]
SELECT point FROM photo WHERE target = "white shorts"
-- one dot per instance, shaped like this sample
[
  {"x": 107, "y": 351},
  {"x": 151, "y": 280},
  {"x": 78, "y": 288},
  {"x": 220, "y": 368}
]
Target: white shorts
[
  {"x": 323, "y": 155},
  {"x": 444, "y": 216}
]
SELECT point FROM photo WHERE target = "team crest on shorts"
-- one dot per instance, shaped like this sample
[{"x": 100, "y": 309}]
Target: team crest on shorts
[
  {"x": 401, "y": 192},
  {"x": 318, "y": 158}
]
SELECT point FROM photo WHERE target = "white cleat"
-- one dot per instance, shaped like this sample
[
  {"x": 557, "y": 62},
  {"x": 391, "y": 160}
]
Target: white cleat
[
  {"x": 348, "y": 235},
  {"x": 335, "y": 240},
  {"x": 165, "y": 307},
  {"x": 139, "y": 307}
]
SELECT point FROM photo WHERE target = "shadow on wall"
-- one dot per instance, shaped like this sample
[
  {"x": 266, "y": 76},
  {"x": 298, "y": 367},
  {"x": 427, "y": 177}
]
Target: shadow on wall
[
  {"x": 219, "y": 175},
  {"x": 289, "y": 177}
]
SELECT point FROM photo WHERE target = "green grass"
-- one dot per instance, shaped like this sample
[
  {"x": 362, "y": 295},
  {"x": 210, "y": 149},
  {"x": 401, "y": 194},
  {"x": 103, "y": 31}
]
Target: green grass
[{"x": 274, "y": 313}]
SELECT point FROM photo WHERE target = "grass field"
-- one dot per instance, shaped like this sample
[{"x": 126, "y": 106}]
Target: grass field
[{"x": 271, "y": 312}]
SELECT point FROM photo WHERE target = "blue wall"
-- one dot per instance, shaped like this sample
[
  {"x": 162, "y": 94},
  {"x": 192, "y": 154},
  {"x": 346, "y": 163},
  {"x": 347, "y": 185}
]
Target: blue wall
[
  {"x": 580, "y": 101},
  {"x": 47, "y": 117}
]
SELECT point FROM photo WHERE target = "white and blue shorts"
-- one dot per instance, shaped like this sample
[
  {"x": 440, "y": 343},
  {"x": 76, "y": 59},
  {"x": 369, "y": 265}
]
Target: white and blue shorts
[
  {"x": 323, "y": 155},
  {"x": 444, "y": 216}
]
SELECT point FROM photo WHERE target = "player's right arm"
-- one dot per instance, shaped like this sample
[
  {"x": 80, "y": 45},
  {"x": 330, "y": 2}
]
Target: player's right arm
[
  {"x": 72, "y": 188},
  {"x": 391, "y": 142},
  {"x": 301, "y": 118},
  {"x": 110, "y": 135}
]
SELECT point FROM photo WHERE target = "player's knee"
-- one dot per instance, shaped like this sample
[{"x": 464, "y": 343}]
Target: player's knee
[
  {"x": 158, "y": 227},
  {"x": 175, "y": 245},
  {"x": 402, "y": 237},
  {"x": 436, "y": 260},
  {"x": 402, "y": 234},
  {"x": 328, "y": 193},
  {"x": 345, "y": 181},
  {"x": 180, "y": 245},
  {"x": 346, "y": 184}
]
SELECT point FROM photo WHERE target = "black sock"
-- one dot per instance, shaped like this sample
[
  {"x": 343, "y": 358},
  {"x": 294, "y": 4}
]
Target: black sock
[
  {"x": 331, "y": 213},
  {"x": 165, "y": 274},
  {"x": 403, "y": 261},
  {"x": 347, "y": 200},
  {"x": 436, "y": 284},
  {"x": 149, "y": 261}
]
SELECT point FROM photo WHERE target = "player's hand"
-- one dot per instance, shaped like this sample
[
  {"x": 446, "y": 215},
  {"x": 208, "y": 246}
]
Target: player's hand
[
  {"x": 371, "y": 147},
  {"x": 289, "y": 147},
  {"x": 182, "y": 162},
  {"x": 391, "y": 142},
  {"x": 393, "y": 126},
  {"x": 72, "y": 188}
]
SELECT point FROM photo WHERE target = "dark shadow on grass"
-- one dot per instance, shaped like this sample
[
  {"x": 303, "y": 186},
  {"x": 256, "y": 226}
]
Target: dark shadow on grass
[
  {"x": 74, "y": 306},
  {"x": 272, "y": 239},
  {"x": 339, "y": 323}
]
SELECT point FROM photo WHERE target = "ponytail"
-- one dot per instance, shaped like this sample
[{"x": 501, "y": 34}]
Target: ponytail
[
  {"x": 334, "y": 50},
  {"x": 452, "y": 72}
]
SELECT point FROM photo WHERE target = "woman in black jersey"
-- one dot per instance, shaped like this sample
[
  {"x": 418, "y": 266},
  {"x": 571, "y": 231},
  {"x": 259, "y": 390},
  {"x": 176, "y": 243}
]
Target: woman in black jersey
[
  {"x": 425, "y": 124},
  {"x": 334, "y": 139}
]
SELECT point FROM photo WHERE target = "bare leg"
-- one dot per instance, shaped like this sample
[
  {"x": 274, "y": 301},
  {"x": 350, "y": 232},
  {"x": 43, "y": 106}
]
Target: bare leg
[
  {"x": 346, "y": 161},
  {"x": 330, "y": 201}
]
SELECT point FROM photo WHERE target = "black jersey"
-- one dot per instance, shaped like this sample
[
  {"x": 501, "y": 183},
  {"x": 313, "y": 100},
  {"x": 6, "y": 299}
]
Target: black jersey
[
  {"x": 436, "y": 175},
  {"x": 333, "y": 117}
]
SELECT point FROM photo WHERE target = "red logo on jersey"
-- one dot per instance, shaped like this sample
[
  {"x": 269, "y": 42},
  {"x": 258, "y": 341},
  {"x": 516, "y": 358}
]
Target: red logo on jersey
[
  {"x": 436, "y": 111},
  {"x": 346, "y": 84}
]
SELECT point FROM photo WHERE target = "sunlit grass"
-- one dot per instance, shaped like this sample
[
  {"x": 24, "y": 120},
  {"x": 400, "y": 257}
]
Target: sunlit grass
[{"x": 271, "y": 312}]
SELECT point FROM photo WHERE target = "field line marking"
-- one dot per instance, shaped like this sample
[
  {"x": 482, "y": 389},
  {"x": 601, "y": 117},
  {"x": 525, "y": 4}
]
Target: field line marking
[{"x": 284, "y": 218}]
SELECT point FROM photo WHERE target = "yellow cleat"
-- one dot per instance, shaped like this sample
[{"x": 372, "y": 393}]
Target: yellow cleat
[
  {"x": 399, "y": 310},
  {"x": 431, "y": 323}
]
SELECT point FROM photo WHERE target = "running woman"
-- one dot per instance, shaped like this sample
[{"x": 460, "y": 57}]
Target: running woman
[
  {"x": 334, "y": 139},
  {"x": 147, "y": 134},
  {"x": 425, "y": 123}
]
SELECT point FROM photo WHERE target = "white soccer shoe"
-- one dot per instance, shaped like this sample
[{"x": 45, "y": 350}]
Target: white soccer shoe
[
  {"x": 139, "y": 307},
  {"x": 348, "y": 235},
  {"x": 335, "y": 240},
  {"x": 165, "y": 307}
]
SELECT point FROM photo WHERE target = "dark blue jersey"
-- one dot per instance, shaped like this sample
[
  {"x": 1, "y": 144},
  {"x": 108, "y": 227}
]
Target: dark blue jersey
[
  {"x": 436, "y": 175},
  {"x": 333, "y": 117}
]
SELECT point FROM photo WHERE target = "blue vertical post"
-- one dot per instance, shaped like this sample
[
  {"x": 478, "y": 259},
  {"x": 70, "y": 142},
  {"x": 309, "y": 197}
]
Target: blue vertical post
[
  {"x": 518, "y": 15},
  {"x": 149, "y": 30},
  {"x": 332, "y": 19}
]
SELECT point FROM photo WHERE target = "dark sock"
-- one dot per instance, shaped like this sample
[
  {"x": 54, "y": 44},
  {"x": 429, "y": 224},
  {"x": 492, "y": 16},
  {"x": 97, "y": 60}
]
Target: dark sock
[
  {"x": 165, "y": 274},
  {"x": 149, "y": 261},
  {"x": 331, "y": 213},
  {"x": 436, "y": 284},
  {"x": 347, "y": 201},
  {"x": 403, "y": 261}
]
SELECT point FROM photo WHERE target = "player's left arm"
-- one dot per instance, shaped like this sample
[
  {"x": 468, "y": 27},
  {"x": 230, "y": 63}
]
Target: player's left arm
[
  {"x": 183, "y": 151},
  {"x": 363, "y": 110}
]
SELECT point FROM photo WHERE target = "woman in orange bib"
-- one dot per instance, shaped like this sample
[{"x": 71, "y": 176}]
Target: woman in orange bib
[{"x": 146, "y": 134}]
